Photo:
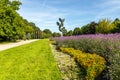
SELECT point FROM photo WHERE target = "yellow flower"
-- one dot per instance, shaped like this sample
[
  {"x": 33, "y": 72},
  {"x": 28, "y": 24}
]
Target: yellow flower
[{"x": 93, "y": 63}]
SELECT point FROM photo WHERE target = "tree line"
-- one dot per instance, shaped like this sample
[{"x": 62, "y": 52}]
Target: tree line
[
  {"x": 103, "y": 26},
  {"x": 14, "y": 27}
]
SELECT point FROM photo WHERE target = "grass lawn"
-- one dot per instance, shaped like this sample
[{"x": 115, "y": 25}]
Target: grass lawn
[{"x": 33, "y": 61}]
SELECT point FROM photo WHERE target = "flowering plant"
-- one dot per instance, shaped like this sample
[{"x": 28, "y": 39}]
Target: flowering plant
[
  {"x": 105, "y": 45},
  {"x": 92, "y": 63}
]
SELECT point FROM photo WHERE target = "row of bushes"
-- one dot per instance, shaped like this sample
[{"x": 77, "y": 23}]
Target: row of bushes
[
  {"x": 92, "y": 63},
  {"x": 105, "y": 45}
]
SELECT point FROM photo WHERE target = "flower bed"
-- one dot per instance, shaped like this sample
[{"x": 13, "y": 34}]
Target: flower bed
[
  {"x": 105, "y": 45},
  {"x": 92, "y": 63}
]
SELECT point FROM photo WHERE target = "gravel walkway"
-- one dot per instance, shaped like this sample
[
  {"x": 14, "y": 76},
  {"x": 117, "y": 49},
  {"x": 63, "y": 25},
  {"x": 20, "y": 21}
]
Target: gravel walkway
[
  {"x": 11, "y": 45},
  {"x": 67, "y": 65}
]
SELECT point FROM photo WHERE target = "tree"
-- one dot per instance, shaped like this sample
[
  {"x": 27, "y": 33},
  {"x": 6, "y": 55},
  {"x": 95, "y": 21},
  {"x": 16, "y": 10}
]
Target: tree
[
  {"x": 55, "y": 34},
  {"x": 12, "y": 25},
  {"x": 77, "y": 31},
  {"x": 47, "y": 33},
  {"x": 85, "y": 29},
  {"x": 92, "y": 27},
  {"x": 15, "y": 4},
  {"x": 116, "y": 22},
  {"x": 9, "y": 19},
  {"x": 70, "y": 33},
  {"x": 61, "y": 26},
  {"x": 104, "y": 26},
  {"x": 89, "y": 28},
  {"x": 37, "y": 33}
]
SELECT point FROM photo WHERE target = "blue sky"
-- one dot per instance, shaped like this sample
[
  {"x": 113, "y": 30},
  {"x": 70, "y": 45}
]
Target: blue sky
[{"x": 45, "y": 13}]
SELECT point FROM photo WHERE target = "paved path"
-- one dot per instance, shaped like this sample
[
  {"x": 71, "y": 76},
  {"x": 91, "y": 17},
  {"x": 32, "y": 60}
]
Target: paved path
[{"x": 11, "y": 45}]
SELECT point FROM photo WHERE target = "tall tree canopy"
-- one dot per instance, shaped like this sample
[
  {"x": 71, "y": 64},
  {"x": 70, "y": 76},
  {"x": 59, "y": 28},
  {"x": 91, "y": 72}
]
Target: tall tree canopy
[
  {"x": 9, "y": 18},
  {"x": 85, "y": 29},
  {"x": 12, "y": 25},
  {"x": 104, "y": 26},
  {"x": 70, "y": 33},
  {"x": 116, "y": 22},
  {"x": 77, "y": 31},
  {"x": 55, "y": 34},
  {"x": 92, "y": 27},
  {"x": 46, "y": 33}
]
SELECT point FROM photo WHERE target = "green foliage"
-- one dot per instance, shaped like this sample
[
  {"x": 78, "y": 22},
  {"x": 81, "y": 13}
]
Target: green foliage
[
  {"x": 12, "y": 25},
  {"x": 28, "y": 28},
  {"x": 77, "y": 31},
  {"x": 55, "y": 34},
  {"x": 45, "y": 35},
  {"x": 85, "y": 29},
  {"x": 104, "y": 26},
  {"x": 89, "y": 28},
  {"x": 33, "y": 61},
  {"x": 47, "y": 31},
  {"x": 117, "y": 26},
  {"x": 15, "y": 4},
  {"x": 70, "y": 33},
  {"x": 9, "y": 19},
  {"x": 92, "y": 27}
]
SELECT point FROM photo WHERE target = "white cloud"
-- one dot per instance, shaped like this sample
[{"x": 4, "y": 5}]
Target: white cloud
[
  {"x": 109, "y": 9},
  {"x": 46, "y": 13},
  {"x": 45, "y": 16}
]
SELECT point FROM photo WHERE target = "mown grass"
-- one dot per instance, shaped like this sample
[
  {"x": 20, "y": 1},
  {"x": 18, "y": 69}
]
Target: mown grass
[{"x": 33, "y": 61}]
